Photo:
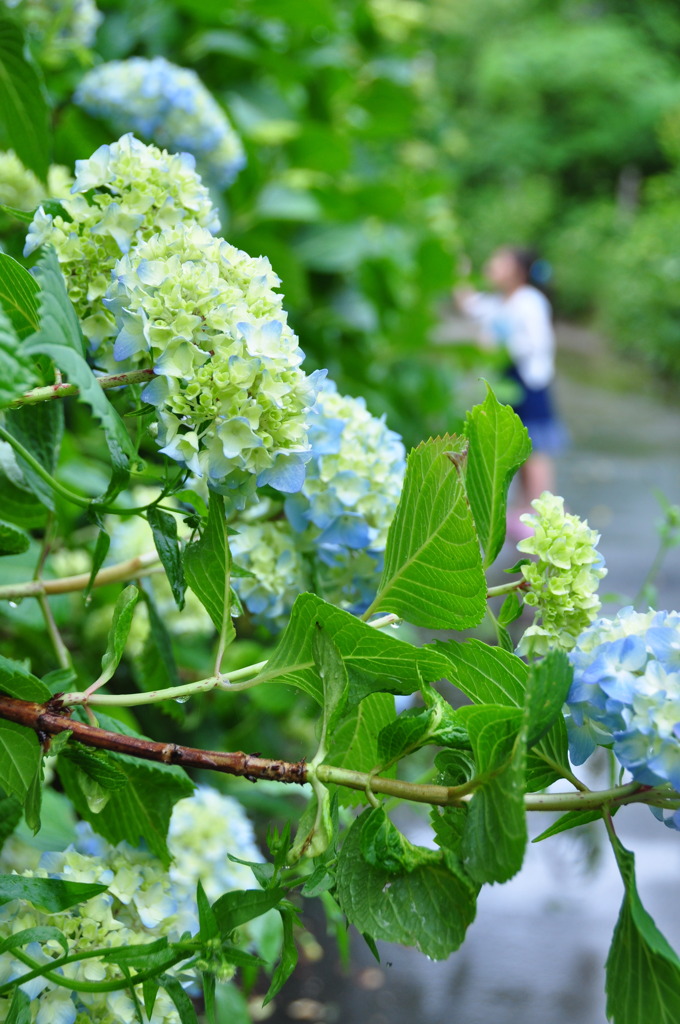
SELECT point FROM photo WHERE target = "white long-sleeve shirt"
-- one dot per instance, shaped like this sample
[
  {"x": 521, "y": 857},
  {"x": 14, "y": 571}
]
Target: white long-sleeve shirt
[{"x": 522, "y": 323}]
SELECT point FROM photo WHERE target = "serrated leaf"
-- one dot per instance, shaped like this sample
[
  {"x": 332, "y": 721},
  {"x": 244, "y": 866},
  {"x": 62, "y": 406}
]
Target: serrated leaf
[
  {"x": 495, "y": 834},
  {"x": 207, "y": 566},
  {"x": 498, "y": 445},
  {"x": 39, "y": 428},
  {"x": 642, "y": 971},
  {"x": 119, "y": 631},
  {"x": 41, "y": 933},
  {"x": 384, "y": 846},
  {"x": 139, "y": 810},
  {"x": 511, "y": 609},
  {"x": 418, "y": 727},
  {"x": 164, "y": 528},
  {"x": 354, "y": 741},
  {"x": 382, "y": 904},
  {"x": 13, "y": 540},
  {"x": 96, "y": 764},
  {"x": 19, "y": 295},
  {"x": 289, "y": 957},
  {"x": 17, "y": 681},
  {"x": 60, "y": 338},
  {"x": 433, "y": 573},
  {"x": 51, "y": 895},
  {"x": 17, "y": 374},
  {"x": 546, "y": 691},
  {"x": 374, "y": 661},
  {"x": 24, "y": 123},
  {"x": 20, "y": 756}
]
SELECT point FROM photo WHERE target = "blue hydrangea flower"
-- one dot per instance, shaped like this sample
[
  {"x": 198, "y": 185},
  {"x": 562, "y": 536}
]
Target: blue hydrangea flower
[
  {"x": 167, "y": 104},
  {"x": 626, "y": 695}
]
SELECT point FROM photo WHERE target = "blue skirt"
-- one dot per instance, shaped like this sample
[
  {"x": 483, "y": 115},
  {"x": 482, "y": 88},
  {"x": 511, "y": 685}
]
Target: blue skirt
[{"x": 536, "y": 410}]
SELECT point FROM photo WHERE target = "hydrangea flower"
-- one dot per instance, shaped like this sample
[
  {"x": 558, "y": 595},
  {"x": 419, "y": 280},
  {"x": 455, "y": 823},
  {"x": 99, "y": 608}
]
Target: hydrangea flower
[
  {"x": 563, "y": 580},
  {"x": 21, "y": 189},
  {"x": 122, "y": 194},
  {"x": 168, "y": 104},
  {"x": 626, "y": 694},
  {"x": 143, "y": 903},
  {"x": 62, "y": 28},
  {"x": 271, "y": 552},
  {"x": 231, "y": 398}
]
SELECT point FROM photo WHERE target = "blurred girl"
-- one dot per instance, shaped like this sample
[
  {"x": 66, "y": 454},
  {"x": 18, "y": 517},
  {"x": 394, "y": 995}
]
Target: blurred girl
[{"x": 519, "y": 317}]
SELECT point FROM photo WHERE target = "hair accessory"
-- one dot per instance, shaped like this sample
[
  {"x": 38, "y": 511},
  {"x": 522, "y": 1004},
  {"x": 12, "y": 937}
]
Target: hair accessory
[{"x": 540, "y": 272}]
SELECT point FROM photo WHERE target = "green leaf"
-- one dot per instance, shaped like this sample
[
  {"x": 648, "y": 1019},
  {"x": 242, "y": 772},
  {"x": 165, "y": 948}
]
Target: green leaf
[
  {"x": 242, "y": 905},
  {"x": 17, "y": 681},
  {"x": 13, "y": 541},
  {"x": 41, "y": 933},
  {"x": 546, "y": 691},
  {"x": 50, "y": 895},
  {"x": 433, "y": 573},
  {"x": 207, "y": 566},
  {"x": 19, "y": 295},
  {"x": 101, "y": 550},
  {"x": 20, "y": 1009},
  {"x": 155, "y": 667},
  {"x": 498, "y": 445},
  {"x": 20, "y": 756},
  {"x": 24, "y": 125},
  {"x": 60, "y": 338},
  {"x": 373, "y": 660},
  {"x": 417, "y": 727},
  {"x": 98, "y": 765},
  {"x": 334, "y": 682},
  {"x": 353, "y": 744},
  {"x": 487, "y": 675},
  {"x": 20, "y": 505},
  {"x": 511, "y": 609},
  {"x": 119, "y": 631},
  {"x": 315, "y": 829},
  {"x": 164, "y": 528},
  {"x": 183, "y": 1004},
  {"x": 643, "y": 971},
  {"x": 569, "y": 820},
  {"x": 384, "y": 846},
  {"x": 17, "y": 373},
  {"x": 10, "y": 815},
  {"x": 382, "y": 904},
  {"x": 289, "y": 956},
  {"x": 495, "y": 835},
  {"x": 39, "y": 428},
  {"x": 141, "y": 809},
  {"x": 150, "y": 991},
  {"x": 33, "y": 800},
  {"x": 209, "y": 928}
]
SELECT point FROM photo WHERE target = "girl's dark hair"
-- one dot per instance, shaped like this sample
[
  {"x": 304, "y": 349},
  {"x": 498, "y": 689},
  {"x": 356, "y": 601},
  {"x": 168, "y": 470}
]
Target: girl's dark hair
[{"x": 536, "y": 271}]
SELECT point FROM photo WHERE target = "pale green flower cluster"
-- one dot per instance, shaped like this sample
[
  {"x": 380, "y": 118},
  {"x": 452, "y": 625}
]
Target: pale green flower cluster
[
  {"x": 232, "y": 401},
  {"x": 563, "y": 580},
  {"x": 62, "y": 29},
  {"x": 21, "y": 189},
  {"x": 168, "y": 104},
  {"x": 122, "y": 194},
  {"x": 143, "y": 902},
  {"x": 271, "y": 552}
]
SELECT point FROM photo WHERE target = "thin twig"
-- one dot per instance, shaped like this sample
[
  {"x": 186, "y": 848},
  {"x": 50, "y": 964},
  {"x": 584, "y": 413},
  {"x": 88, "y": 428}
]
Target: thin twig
[{"x": 59, "y": 390}]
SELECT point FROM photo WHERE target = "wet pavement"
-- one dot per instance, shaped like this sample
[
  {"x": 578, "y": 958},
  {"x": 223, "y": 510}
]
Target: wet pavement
[{"x": 536, "y": 951}]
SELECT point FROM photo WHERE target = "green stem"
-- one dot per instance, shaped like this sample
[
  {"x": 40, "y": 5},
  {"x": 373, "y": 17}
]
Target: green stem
[
  {"x": 47, "y": 971},
  {"x": 506, "y": 588},
  {"x": 60, "y": 649},
  {"x": 60, "y": 390},
  {"x": 58, "y": 488}
]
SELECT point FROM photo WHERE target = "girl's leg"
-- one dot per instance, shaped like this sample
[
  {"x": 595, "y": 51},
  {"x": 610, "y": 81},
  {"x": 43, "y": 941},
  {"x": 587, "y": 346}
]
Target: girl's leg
[{"x": 537, "y": 475}]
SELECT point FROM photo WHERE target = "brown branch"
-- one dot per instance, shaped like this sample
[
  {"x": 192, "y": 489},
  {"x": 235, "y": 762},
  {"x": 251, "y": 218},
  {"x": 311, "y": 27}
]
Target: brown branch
[{"x": 50, "y": 719}]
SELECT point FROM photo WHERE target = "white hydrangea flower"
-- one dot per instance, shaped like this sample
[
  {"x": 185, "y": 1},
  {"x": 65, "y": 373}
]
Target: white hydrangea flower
[
  {"x": 143, "y": 903},
  {"x": 21, "y": 189},
  {"x": 122, "y": 194},
  {"x": 167, "y": 104},
  {"x": 271, "y": 551},
  {"x": 232, "y": 400}
]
